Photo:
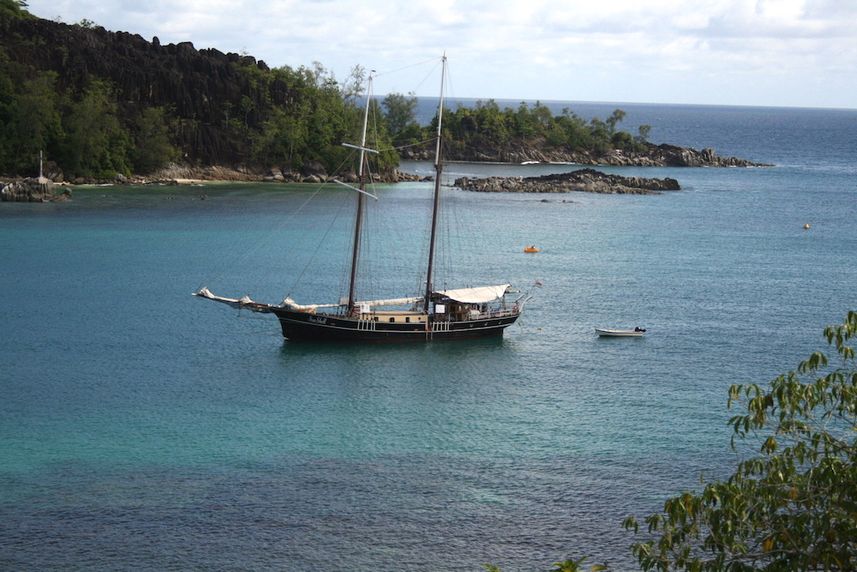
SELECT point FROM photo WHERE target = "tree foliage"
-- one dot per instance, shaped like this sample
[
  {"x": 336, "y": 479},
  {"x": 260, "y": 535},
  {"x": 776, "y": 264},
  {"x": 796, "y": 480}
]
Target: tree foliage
[
  {"x": 95, "y": 143},
  {"x": 13, "y": 9},
  {"x": 793, "y": 506},
  {"x": 152, "y": 147},
  {"x": 400, "y": 115},
  {"x": 101, "y": 103},
  {"x": 486, "y": 126}
]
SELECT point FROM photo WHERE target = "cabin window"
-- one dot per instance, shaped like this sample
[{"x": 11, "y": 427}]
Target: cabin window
[
  {"x": 407, "y": 320},
  {"x": 376, "y": 318},
  {"x": 392, "y": 320}
]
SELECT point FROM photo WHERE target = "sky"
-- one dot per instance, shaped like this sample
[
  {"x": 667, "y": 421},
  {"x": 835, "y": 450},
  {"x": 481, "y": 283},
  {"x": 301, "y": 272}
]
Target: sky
[{"x": 794, "y": 53}]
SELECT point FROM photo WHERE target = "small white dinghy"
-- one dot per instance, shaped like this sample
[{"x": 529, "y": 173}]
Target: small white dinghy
[{"x": 613, "y": 333}]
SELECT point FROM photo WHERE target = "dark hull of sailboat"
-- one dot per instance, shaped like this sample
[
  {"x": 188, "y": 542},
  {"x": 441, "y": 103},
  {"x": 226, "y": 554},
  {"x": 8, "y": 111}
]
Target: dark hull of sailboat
[{"x": 302, "y": 326}]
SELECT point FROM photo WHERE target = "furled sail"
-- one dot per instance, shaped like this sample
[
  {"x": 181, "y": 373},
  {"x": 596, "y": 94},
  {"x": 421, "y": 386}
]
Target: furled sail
[
  {"x": 391, "y": 301},
  {"x": 243, "y": 302},
  {"x": 289, "y": 303}
]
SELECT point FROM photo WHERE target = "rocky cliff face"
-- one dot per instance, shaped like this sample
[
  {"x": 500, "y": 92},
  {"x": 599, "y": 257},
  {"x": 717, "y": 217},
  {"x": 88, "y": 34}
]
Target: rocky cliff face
[{"x": 200, "y": 87}]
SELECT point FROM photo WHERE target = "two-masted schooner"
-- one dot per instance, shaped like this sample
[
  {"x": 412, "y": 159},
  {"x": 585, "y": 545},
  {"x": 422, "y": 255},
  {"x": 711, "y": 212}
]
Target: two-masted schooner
[{"x": 435, "y": 315}]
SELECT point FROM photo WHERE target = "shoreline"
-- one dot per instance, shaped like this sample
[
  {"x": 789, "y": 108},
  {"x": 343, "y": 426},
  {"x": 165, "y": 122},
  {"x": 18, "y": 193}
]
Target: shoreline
[
  {"x": 651, "y": 155},
  {"x": 655, "y": 156},
  {"x": 18, "y": 189}
]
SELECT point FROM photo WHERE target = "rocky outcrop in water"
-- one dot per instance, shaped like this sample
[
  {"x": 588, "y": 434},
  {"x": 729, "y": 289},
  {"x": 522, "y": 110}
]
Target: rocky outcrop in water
[
  {"x": 32, "y": 191},
  {"x": 582, "y": 180}
]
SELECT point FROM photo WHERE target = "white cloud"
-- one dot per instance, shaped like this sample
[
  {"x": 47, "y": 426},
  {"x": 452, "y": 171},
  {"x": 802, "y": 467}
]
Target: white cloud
[{"x": 615, "y": 50}]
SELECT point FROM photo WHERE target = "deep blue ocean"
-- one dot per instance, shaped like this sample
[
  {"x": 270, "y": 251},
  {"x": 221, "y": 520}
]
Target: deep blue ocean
[{"x": 143, "y": 428}]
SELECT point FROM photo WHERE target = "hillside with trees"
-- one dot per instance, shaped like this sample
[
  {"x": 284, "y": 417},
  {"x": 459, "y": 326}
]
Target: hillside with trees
[
  {"x": 104, "y": 104},
  {"x": 101, "y": 103}
]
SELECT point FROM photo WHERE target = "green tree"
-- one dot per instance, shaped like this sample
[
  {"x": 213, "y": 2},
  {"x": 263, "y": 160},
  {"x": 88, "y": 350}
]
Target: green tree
[
  {"x": 400, "y": 114},
  {"x": 600, "y": 134},
  {"x": 523, "y": 122},
  {"x": 13, "y": 9},
  {"x": 96, "y": 144},
  {"x": 152, "y": 146},
  {"x": 622, "y": 140},
  {"x": 281, "y": 140},
  {"x": 29, "y": 116},
  {"x": 353, "y": 86},
  {"x": 793, "y": 506},
  {"x": 615, "y": 118}
]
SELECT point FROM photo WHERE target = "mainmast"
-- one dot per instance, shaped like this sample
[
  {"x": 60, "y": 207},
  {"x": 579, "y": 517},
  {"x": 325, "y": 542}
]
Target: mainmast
[
  {"x": 438, "y": 167},
  {"x": 358, "y": 226}
]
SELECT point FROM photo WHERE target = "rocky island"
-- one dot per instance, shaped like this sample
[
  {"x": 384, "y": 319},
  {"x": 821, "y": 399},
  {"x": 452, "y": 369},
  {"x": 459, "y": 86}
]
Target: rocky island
[
  {"x": 33, "y": 190},
  {"x": 582, "y": 180}
]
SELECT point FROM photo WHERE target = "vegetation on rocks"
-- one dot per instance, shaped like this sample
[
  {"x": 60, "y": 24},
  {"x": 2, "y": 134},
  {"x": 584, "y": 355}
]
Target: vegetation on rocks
[{"x": 101, "y": 104}]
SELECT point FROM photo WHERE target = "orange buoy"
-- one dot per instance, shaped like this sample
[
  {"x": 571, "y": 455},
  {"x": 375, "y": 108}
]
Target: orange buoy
[{"x": 531, "y": 249}]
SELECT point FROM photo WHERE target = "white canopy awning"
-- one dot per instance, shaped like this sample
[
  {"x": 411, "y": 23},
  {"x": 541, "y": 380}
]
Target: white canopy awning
[{"x": 477, "y": 295}]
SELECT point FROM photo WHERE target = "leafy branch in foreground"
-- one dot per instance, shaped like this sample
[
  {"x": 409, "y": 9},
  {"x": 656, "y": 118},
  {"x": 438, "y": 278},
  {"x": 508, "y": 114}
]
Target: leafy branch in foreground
[{"x": 794, "y": 505}]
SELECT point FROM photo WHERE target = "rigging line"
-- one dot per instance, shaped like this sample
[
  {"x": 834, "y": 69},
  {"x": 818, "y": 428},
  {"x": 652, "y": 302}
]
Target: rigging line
[
  {"x": 348, "y": 158},
  {"x": 453, "y": 198},
  {"x": 264, "y": 242},
  {"x": 374, "y": 110},
  {"x": 417, "y": 144},
  {"x": 367, "y": 272},
  {"x": 318, "y": 246},
  {"x": 422, "y": 63},
  {"x": 450, "y": 92},
  {"x": 429, "y": 74}
]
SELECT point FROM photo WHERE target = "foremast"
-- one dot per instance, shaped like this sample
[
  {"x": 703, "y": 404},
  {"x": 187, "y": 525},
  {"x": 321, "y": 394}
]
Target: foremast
[
  {"x": 438, "y": 167},
  {"x": 361, "y": 200}
]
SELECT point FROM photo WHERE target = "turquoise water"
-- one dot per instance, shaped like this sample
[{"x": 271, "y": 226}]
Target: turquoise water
[{"x": 144, "y": 428}]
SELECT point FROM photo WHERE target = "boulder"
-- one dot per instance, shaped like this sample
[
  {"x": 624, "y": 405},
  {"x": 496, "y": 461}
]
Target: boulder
[
  {"x": 315, "y": 168},
  {"x": 53, "y": 172},
  {"x": 275, "y": 174},
  {"x": 31, "y": 191}
]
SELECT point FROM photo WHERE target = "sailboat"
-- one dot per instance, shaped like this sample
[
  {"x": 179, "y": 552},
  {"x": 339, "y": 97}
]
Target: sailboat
[{"x": 459, "y": 313}]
